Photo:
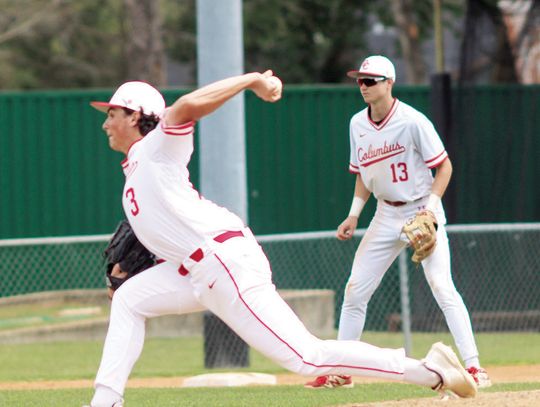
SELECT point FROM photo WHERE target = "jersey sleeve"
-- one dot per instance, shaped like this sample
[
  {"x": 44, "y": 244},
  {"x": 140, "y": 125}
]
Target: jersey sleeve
[
  {"x": 180, "y": 130},
  {"x": 428, "y": 143},
  {"x": 172, "y": 141},
  {"x": 354, "y": 165}
]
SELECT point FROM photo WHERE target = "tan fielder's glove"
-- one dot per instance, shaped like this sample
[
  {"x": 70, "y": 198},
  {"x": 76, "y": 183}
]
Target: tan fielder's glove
[{"x": 422, "y": 234}]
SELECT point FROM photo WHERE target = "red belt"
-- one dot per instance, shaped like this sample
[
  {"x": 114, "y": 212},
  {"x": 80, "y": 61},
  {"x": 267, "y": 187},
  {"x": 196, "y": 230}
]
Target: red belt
[
  {"x": 198, "y": 254},
  {"x": 397, "y": 203}
]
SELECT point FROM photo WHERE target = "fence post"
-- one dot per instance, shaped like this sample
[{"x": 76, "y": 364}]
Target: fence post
[{"x": 405, "y": 302}]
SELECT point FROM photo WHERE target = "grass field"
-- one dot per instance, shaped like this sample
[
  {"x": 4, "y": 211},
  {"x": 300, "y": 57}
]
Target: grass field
[{"x": 184, "y": 357}]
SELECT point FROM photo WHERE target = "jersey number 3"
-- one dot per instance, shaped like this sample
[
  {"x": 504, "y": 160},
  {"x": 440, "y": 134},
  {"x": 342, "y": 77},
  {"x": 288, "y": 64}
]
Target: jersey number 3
[
  {"x": 130, "y": 194},
  {"x": 399, "y": 172}
]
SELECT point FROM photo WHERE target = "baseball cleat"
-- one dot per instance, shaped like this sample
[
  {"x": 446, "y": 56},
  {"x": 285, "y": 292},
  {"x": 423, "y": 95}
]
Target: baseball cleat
[
  {"x": 442, "y": 360},
  {"x": 330, "y": 382},
  {"x": 480, "y": 376}
]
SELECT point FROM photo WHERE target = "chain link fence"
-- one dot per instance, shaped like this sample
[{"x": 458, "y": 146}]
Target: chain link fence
[{"x": 495, "y": 267}]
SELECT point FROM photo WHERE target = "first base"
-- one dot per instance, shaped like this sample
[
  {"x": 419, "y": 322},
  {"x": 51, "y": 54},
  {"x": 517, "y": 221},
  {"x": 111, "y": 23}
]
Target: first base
[{"x": 229, "y": 380}]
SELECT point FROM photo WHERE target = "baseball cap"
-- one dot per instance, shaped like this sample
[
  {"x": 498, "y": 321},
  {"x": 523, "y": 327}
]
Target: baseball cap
[
  {"x": 135, "y": 95},
  {"x": 375, "y": 65}
]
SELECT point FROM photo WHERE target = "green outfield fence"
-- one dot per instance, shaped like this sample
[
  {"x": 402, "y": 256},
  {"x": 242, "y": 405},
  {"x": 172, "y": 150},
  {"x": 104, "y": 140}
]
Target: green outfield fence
[
  {"x": 59, "y": 178},
  {"x": 495, "y": 267}
]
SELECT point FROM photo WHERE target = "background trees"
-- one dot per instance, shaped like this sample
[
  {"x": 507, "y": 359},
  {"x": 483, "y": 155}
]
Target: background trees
[{"x": 97, "y": 43}]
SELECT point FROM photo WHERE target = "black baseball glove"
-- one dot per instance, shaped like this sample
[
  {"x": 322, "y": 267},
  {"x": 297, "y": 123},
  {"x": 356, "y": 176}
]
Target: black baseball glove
[{"x": 125, "y": 250}]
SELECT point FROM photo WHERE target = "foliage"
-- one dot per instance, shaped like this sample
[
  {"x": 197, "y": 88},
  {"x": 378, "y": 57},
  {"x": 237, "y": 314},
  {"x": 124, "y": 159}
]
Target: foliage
[
  {"x": 72, "y": 44},
  {"x": 86, "y": 43},
  {"x": 306, "y": 41}
]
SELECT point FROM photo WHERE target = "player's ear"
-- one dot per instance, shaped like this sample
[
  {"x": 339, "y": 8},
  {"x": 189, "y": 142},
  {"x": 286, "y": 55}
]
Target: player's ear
[{"x": 134, "y": 118}]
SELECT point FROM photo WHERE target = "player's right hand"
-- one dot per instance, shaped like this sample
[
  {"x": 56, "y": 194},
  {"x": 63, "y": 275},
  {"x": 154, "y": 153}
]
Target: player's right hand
[
  {"x": 268, "y": 87},
  {"x": 118, "y": 273},
  {"x": 346, "y": 230}
]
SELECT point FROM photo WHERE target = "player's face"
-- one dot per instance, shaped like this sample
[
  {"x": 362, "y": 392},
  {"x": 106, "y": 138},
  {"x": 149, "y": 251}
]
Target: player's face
[
  {"x": 373, "y": 90},
  {"x": 119, "y": 126}
]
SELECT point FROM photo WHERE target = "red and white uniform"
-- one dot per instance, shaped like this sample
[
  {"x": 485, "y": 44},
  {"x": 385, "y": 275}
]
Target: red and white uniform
[
  {"x": 213, "y": 262},
  {"x": 394, "y": 159},
  {"x": 168, "y": 215}
]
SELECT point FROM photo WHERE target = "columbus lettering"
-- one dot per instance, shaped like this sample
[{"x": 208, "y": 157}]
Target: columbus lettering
[{"x": 373, "y": 155}]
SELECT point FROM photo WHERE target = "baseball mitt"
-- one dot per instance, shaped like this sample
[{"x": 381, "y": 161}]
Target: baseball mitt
[
  {"x": 125, "y": 250},
  {"x": 422, "y": 234}
]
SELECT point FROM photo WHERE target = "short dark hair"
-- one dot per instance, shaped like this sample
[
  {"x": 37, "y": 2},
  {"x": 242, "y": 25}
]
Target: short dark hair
[{"x": 147, "y": 122}]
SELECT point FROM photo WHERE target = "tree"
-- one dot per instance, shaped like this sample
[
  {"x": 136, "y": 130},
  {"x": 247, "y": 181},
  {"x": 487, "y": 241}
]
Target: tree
[
  {"x": 56, "y": 44},
  {"x": 486, "y": 54},
  {"x": 306, "y": 41},
  {"x": 409, "y": 40},
  {"x": 61, "y": 44},
  {"x": 144, "y": 47},
  {"x": 89, "y": 43}
]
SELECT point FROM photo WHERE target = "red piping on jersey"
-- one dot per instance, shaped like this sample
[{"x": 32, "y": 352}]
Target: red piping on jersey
[
  {"x": 184, "y": 129},
  {"x": 283, "y": 341},
  {"x": 353, "y": 169},
  {"x": 125, "y": 160},
  {"x": 432, "y": 163},
  {"x": 381, "y": 159},
  {"x": 386, "y": 118}
]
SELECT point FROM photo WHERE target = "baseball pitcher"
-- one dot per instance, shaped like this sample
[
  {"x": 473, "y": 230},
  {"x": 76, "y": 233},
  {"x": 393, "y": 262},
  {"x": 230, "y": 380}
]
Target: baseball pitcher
[{"x": 218, "y": 263}]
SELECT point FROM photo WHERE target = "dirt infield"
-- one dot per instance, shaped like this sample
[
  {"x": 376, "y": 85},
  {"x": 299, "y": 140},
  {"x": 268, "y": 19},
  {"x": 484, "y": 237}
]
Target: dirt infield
[
  {"x": 500, "y": 399},
  {"x": 498, "y": 374}
]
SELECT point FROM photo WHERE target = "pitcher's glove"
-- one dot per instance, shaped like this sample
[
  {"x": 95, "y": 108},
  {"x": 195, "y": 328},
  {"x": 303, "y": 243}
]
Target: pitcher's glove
[
  {"x": 125, "y": 250},
  {"x": 422, "y": 234}
]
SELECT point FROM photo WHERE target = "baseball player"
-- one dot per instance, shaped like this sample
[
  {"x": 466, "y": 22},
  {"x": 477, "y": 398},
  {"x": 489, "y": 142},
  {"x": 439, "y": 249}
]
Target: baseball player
[
  {"x": 213, "y": 259},
  {"x": 393, "y": 151}
]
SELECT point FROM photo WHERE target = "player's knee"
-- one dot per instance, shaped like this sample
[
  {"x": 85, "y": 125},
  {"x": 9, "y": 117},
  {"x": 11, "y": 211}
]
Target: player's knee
[
  {"x": 356, "y": 296},
  {"x": 122, "y": 301},
  {"x": 302, "y": 363},
  {"x": 445, "y": 294}
]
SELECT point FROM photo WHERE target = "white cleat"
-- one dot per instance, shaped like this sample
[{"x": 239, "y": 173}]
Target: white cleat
[{"x": 442, "y": 360}]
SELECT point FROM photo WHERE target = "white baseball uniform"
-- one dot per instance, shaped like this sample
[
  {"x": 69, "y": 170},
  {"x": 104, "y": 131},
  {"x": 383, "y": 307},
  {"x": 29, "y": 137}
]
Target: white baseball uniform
[
  {"x": 214, "y": 262},
  {"x": 394, "y": 159}
]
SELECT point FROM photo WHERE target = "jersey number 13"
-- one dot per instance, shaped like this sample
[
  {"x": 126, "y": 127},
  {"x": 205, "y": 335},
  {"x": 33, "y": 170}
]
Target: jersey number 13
[{"x": 399, "y": 172}]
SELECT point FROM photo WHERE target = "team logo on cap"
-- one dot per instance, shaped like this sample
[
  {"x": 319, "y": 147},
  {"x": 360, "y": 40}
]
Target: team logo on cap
[{"x": 365, "y": 64}]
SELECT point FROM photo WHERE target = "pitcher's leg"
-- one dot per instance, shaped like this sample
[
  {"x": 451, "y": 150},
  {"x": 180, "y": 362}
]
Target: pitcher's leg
[
  {"x": 156, "y": 291},
  {"x": 437, "y": 269},
  {"x": 238, "y": 289},
  {"x": 251, "y": 306}
]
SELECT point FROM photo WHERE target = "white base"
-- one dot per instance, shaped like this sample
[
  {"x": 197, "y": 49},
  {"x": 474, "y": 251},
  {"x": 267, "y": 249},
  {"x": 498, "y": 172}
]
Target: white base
[{"x": 229, "y": 380}]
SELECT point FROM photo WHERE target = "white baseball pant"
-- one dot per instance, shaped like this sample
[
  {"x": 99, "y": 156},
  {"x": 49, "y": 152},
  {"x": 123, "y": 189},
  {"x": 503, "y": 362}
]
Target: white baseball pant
[
  {"x": 378, "y": 249},
  {"x": 233, "y": 280}
]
